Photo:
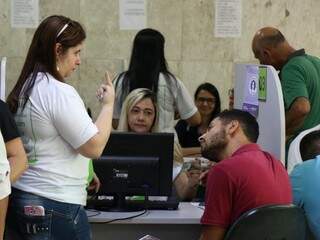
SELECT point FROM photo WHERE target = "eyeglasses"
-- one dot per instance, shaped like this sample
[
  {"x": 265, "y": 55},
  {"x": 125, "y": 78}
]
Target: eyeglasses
[{"x": 209, "y": 101}]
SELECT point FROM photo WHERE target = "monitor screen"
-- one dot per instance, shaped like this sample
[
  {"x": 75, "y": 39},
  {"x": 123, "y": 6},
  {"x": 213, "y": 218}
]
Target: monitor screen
[{"x": 136, "y": 164}]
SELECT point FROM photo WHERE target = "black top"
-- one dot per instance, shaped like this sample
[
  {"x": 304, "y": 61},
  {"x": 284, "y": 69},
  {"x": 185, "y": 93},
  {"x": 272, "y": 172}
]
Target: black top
[
  {"x": 8, "y": 126},
  {"x": 188, "y": 136}
]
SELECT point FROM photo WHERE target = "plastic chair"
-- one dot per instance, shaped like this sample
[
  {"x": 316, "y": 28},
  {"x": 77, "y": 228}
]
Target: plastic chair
[
  {"x": 294, "y": 156},
  {"x": 273, "y": 222}
]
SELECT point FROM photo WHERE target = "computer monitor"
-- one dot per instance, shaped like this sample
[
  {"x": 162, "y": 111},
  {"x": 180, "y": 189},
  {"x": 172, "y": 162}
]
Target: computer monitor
[{"x": 135, "y": 164}]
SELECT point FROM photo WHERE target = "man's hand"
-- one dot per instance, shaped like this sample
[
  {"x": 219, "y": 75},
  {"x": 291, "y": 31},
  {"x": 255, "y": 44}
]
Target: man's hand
[
  {"x": 193, "y": 177},
  {"x": 203, "y": 177}
]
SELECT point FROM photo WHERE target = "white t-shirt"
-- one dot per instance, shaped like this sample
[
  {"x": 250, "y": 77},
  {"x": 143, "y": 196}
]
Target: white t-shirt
[
  {"x": 52, "y": 125},
  {"x": 5, "y": 188},
  {"x": 172, "y": 95}
]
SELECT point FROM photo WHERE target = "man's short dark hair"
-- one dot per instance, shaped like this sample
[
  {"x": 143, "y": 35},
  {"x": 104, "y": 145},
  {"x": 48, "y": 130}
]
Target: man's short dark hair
[
  {"x": 310, "y": 145},
  {"x": 247, "y": 122}
]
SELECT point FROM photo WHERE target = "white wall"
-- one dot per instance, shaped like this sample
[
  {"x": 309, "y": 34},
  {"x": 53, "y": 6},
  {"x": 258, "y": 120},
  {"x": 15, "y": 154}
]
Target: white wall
[{"x": 192, "y": 51}]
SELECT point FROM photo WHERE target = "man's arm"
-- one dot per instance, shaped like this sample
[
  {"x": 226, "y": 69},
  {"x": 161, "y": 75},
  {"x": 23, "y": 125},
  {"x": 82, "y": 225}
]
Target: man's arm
[
  {"x": 296, "y": 115},
  {"x": 17, "y": 158},
  {"x": 212, "y": 233},
  {"x": 191, "y": 151}
]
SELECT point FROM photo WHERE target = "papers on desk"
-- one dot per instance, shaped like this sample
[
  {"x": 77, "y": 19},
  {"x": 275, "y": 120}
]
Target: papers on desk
[
  {"x": 198, "y": 204},
  {"x": 148, "y": 237},
  {"x": 177, "y": 167},
  {"x": 195, "y": 162}
]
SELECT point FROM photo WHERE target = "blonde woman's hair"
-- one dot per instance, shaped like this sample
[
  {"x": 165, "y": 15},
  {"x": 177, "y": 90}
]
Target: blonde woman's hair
[
  {"x": 177, "y": 152},
  {"x": 131, "y": 100}
]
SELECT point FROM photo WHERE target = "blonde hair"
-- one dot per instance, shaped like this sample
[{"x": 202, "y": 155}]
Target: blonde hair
[
  {"x": 131, "y": 100},
  {"x": 177, "y": 152}
]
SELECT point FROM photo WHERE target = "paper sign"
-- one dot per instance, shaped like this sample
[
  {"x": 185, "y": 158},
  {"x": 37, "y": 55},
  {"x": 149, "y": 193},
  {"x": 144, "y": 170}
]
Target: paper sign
[
  {"x": 227, "y": 18},
  {"x": 262, "y": 83},
  {"x": 3, "y": 79},
  {"x": 24, "y": 13},
  {"x": 251, "y": 103},
  {"x": 132, "y": 14}
]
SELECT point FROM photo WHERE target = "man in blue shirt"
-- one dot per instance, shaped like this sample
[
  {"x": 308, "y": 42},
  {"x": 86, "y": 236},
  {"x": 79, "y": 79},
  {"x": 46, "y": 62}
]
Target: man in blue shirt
[{"x": 305, "y": 179}]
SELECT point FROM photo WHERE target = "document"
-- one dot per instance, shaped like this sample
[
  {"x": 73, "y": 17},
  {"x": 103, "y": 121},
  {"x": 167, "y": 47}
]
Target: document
[
  {"x": 148, "y": 237},
  {"x": 251, "y": 103},
  {"x": 24, "y": 13},
  {"x": 132, "y": 14},
  {"x": 227, "y": 18},
  {"x": 3, "y": 79}
]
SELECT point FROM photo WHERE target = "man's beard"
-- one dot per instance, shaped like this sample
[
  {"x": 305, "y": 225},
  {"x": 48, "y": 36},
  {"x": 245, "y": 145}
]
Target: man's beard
[{"x": 213, "y": 149}]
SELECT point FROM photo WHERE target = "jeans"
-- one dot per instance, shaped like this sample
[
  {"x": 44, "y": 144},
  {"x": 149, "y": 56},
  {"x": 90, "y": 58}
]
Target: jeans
[{"x": 60, "y": 220}]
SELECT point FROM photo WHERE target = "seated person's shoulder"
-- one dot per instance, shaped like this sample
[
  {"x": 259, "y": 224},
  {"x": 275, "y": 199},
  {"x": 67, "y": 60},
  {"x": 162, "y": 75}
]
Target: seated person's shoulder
[
  {"x": 182, "y": 124},
  {"x": 3, "y": 107},
  {"x": 2, "y": 103}
]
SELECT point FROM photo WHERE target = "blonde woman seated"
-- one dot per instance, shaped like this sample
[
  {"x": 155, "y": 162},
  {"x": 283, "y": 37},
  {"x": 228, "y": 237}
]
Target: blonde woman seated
[{"x": 139, "y": 114}]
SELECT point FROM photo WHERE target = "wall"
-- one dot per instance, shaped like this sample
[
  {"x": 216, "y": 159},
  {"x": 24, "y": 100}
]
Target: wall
[{"x": 193, "y": 53}]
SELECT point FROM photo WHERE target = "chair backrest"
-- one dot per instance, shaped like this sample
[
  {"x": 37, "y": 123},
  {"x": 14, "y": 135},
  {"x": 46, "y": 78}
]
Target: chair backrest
[
  {"x": 294, "y": 156},
  {"x": 273, "y": 222}
]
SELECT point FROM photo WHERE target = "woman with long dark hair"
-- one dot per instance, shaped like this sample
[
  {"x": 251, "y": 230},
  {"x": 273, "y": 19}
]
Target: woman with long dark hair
[
  {"x": 58, "y": 135},
  {"x": 207, "y": 100},
  {"x": 148, "y": 69}
]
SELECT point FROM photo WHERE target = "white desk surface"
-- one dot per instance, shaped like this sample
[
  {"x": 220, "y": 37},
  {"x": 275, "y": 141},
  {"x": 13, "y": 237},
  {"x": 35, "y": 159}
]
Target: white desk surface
[{"x": 186, "y": 214}]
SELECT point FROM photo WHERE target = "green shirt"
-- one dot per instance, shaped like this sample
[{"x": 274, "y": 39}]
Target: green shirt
[{"x": 300, "y": 77}]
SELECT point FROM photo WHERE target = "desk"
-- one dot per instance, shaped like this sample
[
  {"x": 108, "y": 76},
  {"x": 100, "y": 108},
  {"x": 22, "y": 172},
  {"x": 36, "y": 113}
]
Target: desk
[{"x": 183, "y": 223}]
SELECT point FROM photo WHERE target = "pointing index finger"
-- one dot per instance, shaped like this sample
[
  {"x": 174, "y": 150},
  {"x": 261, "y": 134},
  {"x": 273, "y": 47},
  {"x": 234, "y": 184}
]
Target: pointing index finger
[{"x": 108, "y": 79}]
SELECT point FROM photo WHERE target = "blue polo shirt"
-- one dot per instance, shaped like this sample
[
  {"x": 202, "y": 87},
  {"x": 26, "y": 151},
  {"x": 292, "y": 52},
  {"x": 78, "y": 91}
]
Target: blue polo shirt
[{"x": 305, "y": 180}]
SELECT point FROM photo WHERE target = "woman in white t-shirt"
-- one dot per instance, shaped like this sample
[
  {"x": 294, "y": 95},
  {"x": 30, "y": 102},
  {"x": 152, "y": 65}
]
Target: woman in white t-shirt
[
  {"x": 58, "y": 135},
  {"x": 139, "y": 114},
  {"x": 148, "y": 69}
]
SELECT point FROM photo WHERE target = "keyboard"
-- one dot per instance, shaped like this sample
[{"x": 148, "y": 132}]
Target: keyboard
[{"x": 132, "y": 205}]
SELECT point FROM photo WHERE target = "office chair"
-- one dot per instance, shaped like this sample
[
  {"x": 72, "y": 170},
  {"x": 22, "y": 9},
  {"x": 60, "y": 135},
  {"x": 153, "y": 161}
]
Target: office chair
[
  {"x": 294, "y": 156},
  {"x": 272, "y": 222}
]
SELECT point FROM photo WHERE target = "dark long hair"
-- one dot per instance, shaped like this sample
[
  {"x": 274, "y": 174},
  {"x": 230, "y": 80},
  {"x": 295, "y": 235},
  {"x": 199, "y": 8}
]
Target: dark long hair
[
  {"x": 146, "y": 63},
  {"x": 214, "y": 92},
  {"x": 41, "y": 56}
]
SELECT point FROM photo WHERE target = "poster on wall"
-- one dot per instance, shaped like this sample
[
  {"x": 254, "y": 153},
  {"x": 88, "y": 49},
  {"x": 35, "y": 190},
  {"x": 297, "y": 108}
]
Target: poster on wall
[
  {"x": 3, "y": 78},
  {"x": 251, "y": 89},
  {"x": 24, "y": 13},
  {"x": 263, "y": 83},
  {"x": 132, "y": 14},
  {"x": 228, "y": 16}
]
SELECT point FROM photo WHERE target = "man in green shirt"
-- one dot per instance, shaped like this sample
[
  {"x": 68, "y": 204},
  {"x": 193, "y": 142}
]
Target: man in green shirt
[{"x": 299, "y": 75}]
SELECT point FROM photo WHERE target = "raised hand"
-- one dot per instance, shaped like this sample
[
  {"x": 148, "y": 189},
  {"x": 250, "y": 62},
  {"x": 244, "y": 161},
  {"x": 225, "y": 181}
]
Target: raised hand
[{"x": 105, "y": 92}]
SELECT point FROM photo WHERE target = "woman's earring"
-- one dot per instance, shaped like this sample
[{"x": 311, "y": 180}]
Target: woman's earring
[{"x": 58, "y": 68}]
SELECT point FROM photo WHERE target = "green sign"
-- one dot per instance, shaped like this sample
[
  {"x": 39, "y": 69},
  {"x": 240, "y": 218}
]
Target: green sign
[{"x": 262, "y": 83}]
